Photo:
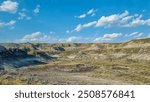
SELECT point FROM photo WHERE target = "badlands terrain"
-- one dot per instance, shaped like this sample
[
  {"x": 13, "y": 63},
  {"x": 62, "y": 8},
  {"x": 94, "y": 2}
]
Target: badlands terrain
[{"x": 75, "y": 63}]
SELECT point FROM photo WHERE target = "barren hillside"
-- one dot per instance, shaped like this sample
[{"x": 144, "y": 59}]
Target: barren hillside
[{"x": 76, "y": 63}]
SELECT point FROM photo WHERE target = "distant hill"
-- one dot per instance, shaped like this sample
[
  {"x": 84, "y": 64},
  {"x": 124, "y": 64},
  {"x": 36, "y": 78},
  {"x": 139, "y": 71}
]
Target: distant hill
[{"x": 145, "y": 40}]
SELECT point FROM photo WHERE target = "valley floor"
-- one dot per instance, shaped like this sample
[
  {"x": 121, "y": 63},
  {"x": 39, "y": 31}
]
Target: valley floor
[{"x": 77, "y": 72}]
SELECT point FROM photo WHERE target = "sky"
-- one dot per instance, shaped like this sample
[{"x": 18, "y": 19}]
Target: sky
[{"x": 54, "y": 21}]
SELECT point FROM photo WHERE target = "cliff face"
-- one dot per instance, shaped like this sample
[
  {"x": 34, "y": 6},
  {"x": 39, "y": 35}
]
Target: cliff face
[
  {"x": 2, "y": 48},
  {"x": 13, "y": 57},
  {"x": 12, "y": 52}
]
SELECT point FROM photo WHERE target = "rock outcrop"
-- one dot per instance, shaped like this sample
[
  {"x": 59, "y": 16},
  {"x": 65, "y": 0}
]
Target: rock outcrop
[
  {"x": 2, "y": 48},
  {"x": 12, "y": 52}
]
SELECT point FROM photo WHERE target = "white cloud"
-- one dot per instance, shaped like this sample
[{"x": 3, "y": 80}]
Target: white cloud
[
  {"x": 41, "y": 37},
  {"x": 136, "y": 34},
  {"x": 37, "y": 37},
  {"x": 126, "y": 19},
  {"x": 37, "y": 9},
  {"x": 90, "y": 12},
  {"x": 22, "y": 15},
  {"x": 89, "y": 24},
  {"x": 122, "y": 20},
  {"x": 5, "y": 24},
  {"x": 80, "y": 26},
  {"x": 73, "y": 39},
  {"x": 9, "y": 6},
  {"x": 116, "y": 20},
  {"x": 67, "y": 31},
  {"x": 82, "y": 16},
  {"x": 138, "y": 22},
  {"x": 108, "y": 37}
]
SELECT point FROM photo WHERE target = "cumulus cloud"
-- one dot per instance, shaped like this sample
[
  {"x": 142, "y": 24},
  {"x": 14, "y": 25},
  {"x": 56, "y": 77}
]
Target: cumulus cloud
[
  {"x": 108, "y": 37},
  {"x": 138, "y": 22},
  {"x": 122, "y": 20},
  {"x": 41, "y": 37},
  {"x": 91, "y": 12},
  {"x": 9, "y": 6},
  {"x": 117, "y": 20},
  {"x": 37, "y": 9},
  {"x": 73, "y": 39},
  {"x": 35, "y": 37},
  {"x": 10, "y": 23}
]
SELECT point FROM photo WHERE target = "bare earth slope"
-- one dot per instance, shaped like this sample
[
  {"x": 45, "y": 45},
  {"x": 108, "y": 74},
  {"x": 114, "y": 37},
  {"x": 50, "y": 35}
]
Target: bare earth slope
[{"x": 76, "y": 63}]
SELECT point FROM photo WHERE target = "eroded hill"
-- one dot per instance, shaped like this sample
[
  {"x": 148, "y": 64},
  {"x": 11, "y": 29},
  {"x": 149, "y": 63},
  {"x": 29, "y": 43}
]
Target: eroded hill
[{"x": 76, "y": 63}]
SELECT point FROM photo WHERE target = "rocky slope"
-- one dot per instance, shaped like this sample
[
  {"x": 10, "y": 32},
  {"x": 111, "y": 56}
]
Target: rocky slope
[
  {"x": 76, "y": 63},
  {"x": 15, "y": 57}
]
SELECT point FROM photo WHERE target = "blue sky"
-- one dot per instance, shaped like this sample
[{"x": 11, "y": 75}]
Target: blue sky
[{"x": 74, "y": 20}]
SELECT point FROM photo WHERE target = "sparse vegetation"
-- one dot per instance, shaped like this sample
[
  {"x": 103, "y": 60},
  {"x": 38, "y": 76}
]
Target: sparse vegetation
[{"x": 72, "y": 63}]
